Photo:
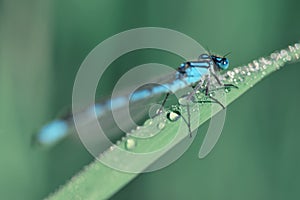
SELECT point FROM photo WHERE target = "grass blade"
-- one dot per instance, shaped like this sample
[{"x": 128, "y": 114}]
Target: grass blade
[{"x": 98, "y": 181}]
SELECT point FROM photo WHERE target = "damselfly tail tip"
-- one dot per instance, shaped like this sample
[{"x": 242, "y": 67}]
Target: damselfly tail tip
[{"x": 50, "y": 133}]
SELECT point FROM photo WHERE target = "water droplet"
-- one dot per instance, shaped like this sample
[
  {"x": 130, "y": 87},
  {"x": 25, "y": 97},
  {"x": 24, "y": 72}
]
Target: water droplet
[
  {"x": 130, "y": 144},
  {"x": 283, "y": 52},
  {"x": 230, "y": 74},
  {"x": 285, "y": 55},
  {"x": 297, "y": 45},
  {"x": 292, "y": 49},
  {"x": 175, "y": 108},
  {"x": 267, "y": 61},
  {"x": 185, "y": 100},
  {"x": 173, "y": 116},
  {"x": 154, "y": 110},
  {"x": 236, "y": 70},
  {"x": 227, "y": 89},
  {"x": 196, "y": 109},
  {"x": 275, "y": 56},
  {"x": 182, "y": 100},
  {"x": 148, "y": 122},
  {"x": 256, "y": 65},
  {"x": 161, "y": 125},
  {"x": 212, "y": 94},
  {"x": 277, "y": 65},
  {"x": 241, "y": 79},
  {"x": 112, "y": 147}
]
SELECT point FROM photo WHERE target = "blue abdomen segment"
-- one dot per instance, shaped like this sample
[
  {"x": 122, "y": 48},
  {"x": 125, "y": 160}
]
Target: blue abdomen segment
[
  {"x": 139, "y": 95},
  {"x": 159, "y": 89},
  {"x": 116, "y": 103},
  {"x": 56, "y": 130},
  {"x": 176, "y": 85},
  {"x": 52, "y": 132}
]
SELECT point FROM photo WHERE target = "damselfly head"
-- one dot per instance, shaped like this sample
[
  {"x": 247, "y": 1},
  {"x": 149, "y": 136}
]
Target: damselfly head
[{"x": 221, "y": 62}]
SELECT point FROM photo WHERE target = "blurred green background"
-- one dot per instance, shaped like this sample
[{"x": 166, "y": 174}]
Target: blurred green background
[{"x": 44, "y": 42}]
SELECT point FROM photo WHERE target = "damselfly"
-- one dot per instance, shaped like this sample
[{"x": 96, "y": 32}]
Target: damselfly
[{"x": 190, "y": 73}]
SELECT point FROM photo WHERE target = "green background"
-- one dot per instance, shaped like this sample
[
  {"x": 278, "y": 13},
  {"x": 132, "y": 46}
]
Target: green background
[{"x": 44, "y": 42}]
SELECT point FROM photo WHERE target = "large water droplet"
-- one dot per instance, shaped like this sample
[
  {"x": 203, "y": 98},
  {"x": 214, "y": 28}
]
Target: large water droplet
[{"x": 173, "y": 115}]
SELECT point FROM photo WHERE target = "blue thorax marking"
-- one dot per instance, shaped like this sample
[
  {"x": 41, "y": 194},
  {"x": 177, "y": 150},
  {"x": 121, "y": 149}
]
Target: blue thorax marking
[{"x": 199, "y": 64}]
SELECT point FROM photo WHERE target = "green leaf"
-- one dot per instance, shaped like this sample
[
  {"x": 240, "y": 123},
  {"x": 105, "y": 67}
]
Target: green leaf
[{"x": 98, "y": 181}]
